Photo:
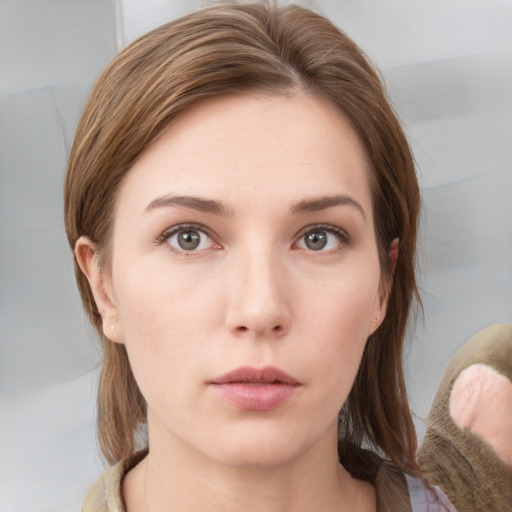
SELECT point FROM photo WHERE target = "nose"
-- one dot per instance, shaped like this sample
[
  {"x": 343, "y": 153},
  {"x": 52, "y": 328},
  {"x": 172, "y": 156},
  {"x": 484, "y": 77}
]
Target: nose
[{"x": 258, "y": 302}]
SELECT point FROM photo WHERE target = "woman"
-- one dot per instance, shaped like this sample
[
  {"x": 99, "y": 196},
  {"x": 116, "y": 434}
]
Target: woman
[{"x": 242, "y": 204}]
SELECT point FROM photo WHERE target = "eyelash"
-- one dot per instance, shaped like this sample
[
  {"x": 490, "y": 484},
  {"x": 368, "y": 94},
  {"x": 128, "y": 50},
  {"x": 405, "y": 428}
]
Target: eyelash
[
  {"x": 341, "y": 234},
  {"x": 169, "y": 233}
]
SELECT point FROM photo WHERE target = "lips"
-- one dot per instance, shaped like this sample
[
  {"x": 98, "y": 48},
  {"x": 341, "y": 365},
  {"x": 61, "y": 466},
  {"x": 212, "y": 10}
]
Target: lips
[
  {"x": 247, "y": 374},
  {"x": 255, "y": 389}
]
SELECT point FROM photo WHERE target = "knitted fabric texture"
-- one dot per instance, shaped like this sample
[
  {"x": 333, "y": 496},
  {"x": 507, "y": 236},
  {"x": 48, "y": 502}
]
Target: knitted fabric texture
[{"x": 461, "y": 463}]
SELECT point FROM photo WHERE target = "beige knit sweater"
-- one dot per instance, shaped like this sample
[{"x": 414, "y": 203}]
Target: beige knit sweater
[{"x": 393, "y": 491}]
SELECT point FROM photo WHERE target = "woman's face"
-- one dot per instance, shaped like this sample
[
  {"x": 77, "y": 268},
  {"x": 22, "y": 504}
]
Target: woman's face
[{"x": 245, "y": 277}]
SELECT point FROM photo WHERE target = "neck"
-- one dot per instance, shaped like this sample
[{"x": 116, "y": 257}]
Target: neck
[{"x": 173, "y": 477}]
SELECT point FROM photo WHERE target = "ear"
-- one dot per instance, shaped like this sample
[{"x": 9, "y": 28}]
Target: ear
[
  {"x": 393, "y": 254},
  {"x": 87, "y": 258},
  {"x": 381, "y": 301}
]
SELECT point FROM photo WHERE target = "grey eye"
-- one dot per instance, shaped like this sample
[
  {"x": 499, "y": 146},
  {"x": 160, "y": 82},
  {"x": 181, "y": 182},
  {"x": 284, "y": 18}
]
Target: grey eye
[
  {"x": 316, "y": 240},
  {"x": 322, "y": 239},
  {"x": 190, "y": 239}
]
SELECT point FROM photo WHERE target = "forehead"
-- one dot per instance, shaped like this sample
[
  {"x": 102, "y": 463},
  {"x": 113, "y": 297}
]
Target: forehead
[{"x": 257, "y": 147}]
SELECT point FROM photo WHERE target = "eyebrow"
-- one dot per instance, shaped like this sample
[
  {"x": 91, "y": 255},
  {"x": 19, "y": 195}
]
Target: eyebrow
[
  {"x": 321, "y": 203},
  {"x": 217, "y": 208},
  {"x": 194, "y": 203}
]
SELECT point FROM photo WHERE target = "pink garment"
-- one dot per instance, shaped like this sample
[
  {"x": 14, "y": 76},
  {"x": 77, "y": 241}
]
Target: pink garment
[{"x": 423, "y": 500}]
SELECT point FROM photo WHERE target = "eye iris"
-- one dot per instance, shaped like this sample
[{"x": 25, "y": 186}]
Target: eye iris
[
  {"x": 189, "y": 240},
  {"x": 316, "y": 240}
]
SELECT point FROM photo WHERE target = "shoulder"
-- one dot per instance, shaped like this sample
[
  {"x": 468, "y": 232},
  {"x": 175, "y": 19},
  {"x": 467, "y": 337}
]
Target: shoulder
[
  {"x": 399, "y": 492},
  {"x": 425, "y": 499},
  {"x": 396, "y": 491},
  {"x": 105, "y": 494}
]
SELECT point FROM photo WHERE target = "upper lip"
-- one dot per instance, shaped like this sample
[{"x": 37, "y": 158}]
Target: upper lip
[{"x": 248, "y": 374}]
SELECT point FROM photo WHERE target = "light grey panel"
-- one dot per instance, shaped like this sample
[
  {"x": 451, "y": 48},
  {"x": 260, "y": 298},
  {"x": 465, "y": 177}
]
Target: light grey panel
[
  {"x": 54, "y": 42},
  {"x": 458, "y": 114},
  {"x": 40, "y": 314},
  {"x": 448, "y": 67},
  {"x": 50, "y": 53},
  {"x": 399, "y": 32},
  {"x": 48, "y": 447},
  {"x": 141, "y": 16}
]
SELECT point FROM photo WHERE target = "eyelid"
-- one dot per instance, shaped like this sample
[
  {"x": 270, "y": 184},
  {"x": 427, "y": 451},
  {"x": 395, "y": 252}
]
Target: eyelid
[
  {"x": 171, "y": 231},
  {"x": 345, "y": 239}
]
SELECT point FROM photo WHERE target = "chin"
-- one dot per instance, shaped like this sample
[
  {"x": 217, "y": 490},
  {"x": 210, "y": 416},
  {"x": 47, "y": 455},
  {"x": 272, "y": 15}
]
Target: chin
[
  {"x": 261, "y": 456},
  {"x": 264, "y": 447}
]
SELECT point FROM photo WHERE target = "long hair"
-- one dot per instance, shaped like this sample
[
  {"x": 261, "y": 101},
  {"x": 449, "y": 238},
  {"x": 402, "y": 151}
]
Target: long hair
[{"x": 226, "y": 49}]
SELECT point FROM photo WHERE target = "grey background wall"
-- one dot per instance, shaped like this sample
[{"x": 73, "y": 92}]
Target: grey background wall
[{"x": 448, "y": 67}]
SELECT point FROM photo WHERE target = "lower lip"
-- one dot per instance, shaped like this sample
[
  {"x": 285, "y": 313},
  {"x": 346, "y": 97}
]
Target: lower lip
[{"x": 255, "y": 397}]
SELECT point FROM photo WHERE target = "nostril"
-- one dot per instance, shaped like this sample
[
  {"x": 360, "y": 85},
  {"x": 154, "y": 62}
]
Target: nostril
[{"x": 243, "y": 328}]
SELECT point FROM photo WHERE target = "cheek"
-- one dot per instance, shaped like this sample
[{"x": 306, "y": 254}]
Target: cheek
[
  {"x": 341, "y": 340},
  {"x": 165, "y": 317},
  {"x": 347, "y": 302},
  {"x": 165, "y": 328},
  {"x": 337, "y": 323}
]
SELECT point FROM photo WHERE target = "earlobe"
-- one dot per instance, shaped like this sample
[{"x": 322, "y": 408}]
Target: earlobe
[
  {"x": 379, "y": 309},
  {"x": 87, "y": 258},
  {"x": 379, "y": 312}
]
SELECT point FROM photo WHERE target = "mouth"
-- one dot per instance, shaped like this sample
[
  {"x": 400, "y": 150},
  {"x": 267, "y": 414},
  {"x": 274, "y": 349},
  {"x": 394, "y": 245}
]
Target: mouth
[
  {"x": 249, "y": 375},
  {"x": 255, "y": 389}
]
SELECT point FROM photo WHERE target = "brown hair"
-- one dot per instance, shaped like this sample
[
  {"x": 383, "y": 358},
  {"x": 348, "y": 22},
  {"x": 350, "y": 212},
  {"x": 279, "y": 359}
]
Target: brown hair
[{"x": 226, "y": 49}]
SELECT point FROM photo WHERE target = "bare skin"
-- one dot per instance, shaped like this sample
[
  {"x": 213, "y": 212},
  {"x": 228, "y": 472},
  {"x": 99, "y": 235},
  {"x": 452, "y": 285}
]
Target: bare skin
[
  {"x": 244, "y": 238},
  {"x": 283, "y": 489}
]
